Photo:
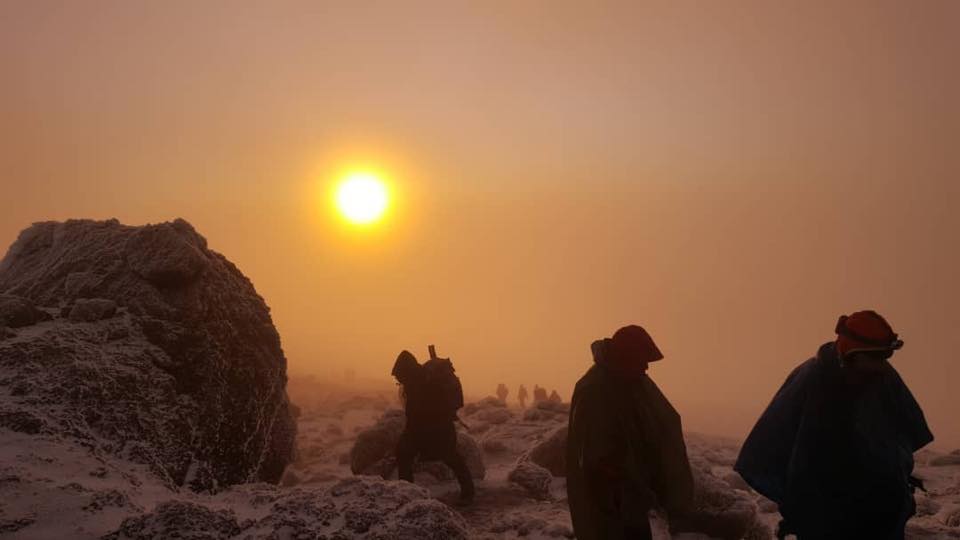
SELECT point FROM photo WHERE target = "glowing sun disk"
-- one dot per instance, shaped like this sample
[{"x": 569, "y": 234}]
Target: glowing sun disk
[{"x": 362, "y": 198}]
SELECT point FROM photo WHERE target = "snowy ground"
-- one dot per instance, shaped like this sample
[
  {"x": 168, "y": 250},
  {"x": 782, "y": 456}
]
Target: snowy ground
[
  {"x": 504, "y": 510},
  {"x": 49, "y": 489}
]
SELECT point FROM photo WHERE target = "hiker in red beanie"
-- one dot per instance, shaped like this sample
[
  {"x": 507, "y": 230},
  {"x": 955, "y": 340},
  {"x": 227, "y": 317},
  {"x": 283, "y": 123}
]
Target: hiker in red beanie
[
  {"x": 625, "y": 449},
  {"x": 834, "y": 449}
]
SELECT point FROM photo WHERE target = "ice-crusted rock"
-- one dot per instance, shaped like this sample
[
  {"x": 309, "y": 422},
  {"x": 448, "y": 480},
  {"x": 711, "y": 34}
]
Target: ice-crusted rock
[
  {"x": 720, "y": 511},
  {"x": 551, "y": 453},
  {"x": 17, "y": 312},
  {"x": 355, "y": 508},
  {"x": 166, "y": 356},
  {"x": 952, "y": 518},
  {"x": 546, "y": 411},
  {"x": 487, "y": 403},
  {"x": 376, "y": 444},
  {"x": 534, "y": 479},
  {"x": 92, "y": 309},
  {"x": 179, "y": 519},
  {"x": 373, "y": 451},
  {"x": 953, "y": 458},
  {"x": 925, "y": 505}
]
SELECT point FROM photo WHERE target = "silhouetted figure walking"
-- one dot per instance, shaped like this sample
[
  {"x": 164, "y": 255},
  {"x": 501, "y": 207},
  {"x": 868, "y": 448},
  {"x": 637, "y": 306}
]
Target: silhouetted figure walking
[
  {"x": 539, "y": 394},
  {"x": 502, "y": 392},
  {"x": 432, "y": 395},
  {"x": 834, "y": 449},
  {"x": 522, "y": 396},
  {"x": 625, "y": 449}
]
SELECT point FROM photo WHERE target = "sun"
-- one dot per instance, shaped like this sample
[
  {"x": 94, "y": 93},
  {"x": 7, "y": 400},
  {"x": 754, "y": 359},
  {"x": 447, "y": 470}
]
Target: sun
[{"x": 362, "y": 198}]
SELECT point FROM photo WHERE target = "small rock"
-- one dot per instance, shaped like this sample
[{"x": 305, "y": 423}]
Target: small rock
[
  {"x": 926, "y": 506},
  {"x": 551, "y": 453},
  {"x": 289, "y": 479},
  {"x": 534, "y": 479},
  {"x": 953, "y": 458},
  {"x": 767, "y": 506},
  {"x": 735, "y": 481},
  {"x": 952, "y": 518},
  {"x": 17, "y": 312},
  {"x": 493, "y": 446},
  {"x": 92, "y": 309}
]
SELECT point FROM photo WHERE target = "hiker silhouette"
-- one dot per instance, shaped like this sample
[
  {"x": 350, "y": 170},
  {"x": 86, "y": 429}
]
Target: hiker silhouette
[
  {"x": 522, "y": 396},
  {"x": 502, "y": 392},
  {"x": 539, "y": 394},
  {"x": 432, "y": 394},
  {"x": 834, "y": 449},
  {"x": 625, "y": 448}
]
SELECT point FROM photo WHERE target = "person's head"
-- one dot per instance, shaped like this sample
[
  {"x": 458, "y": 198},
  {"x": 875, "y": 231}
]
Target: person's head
[
  {"x": 405, "y": 367},
  {"x": 631, "y": 350},
  {"x": 865, "y": 341}
]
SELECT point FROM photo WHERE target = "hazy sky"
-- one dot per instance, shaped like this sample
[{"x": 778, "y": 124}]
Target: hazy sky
[{"x": 731, "y": 175}]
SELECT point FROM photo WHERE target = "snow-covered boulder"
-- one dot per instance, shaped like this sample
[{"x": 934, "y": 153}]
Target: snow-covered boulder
[
  {"x": 534, "y": 479},
  {"x": 953, "y": 458},
  {"x": 547, "y": 411},
  {"x": 489, "y": 402},
  {"x": 16, "y": 312},
  {"x": 373, "y": 452},
  {"x": 164, "y": 353},
  {"x": 721, "y": 511},
  {"x": 179, "y": 519},
  {"x": 92, "y": 309},
  {"x": 551, "y": 452},
  {"x": 358, "y": 508}
]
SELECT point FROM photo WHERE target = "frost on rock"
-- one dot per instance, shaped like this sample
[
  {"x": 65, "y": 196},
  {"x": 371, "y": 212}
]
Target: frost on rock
[
  {"x": 355, "y": 508},
  {"x": 551, "y": 453},
  {"x": 721, "y": 511},
  {"x": 178, "y": 519},
  {"x": 534, "y": 479},
  {"x": 163, "y": 354},
  {"x": 373, "y": 451}
]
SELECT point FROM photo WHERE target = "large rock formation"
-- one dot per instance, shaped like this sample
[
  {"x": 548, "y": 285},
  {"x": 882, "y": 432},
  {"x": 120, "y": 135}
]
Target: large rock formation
[{"x": 142, "y": 343}]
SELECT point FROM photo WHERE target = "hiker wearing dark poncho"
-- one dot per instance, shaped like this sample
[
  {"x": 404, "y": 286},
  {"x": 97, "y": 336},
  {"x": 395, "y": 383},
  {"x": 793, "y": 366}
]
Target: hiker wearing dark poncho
[
  {"x": 625, "y": 449},
  {"x": 432, "y": 395},
  {"x": 834, "y": 449}
]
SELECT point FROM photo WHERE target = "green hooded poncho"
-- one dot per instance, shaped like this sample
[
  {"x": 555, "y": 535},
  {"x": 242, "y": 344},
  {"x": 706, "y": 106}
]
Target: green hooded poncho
[{"x": 625, "y": 453}]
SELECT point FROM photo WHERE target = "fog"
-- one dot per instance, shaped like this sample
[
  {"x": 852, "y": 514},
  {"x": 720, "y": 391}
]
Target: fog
[{"x": 732, "y": 179}]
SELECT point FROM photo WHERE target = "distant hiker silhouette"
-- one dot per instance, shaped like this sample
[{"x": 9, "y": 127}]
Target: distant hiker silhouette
[
  {"x": 502, "y": 392},
  {"x": 834, "y": 449},
  {"x": 522, "y": 396},
  {"x": 432, "y": 394},
  {"x": 539, "y": 394},
  {"x": 625, "y": 449}
]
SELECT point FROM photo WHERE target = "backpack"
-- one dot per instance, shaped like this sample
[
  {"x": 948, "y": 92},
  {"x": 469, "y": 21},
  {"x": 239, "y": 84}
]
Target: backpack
[{"x": 444, "y": 386}]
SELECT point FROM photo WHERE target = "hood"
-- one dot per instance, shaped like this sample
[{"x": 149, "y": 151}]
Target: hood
[{"x": 599, "y": 349}]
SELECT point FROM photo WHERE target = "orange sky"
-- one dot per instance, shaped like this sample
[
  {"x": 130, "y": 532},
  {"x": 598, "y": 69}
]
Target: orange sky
[{"x": 732, "y": 176}]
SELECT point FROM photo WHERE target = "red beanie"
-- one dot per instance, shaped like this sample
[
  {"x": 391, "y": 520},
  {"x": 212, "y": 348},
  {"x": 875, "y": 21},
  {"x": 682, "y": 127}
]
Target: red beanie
[
  {"x": 634, "y": 343},
  {"x": 867, "y": 331}
]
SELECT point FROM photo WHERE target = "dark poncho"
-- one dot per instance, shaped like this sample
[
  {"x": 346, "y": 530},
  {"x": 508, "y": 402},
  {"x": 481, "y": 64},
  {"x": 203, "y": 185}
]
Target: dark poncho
[
  {"x": 629, "y": 428},
  {"x": 837, "y": 459}
]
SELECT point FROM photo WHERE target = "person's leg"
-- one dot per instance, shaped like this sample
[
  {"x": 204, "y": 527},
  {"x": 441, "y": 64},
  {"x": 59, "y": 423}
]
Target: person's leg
[
  {"x": 406, "y": 453},
  {"x": 459, "y": 467}
]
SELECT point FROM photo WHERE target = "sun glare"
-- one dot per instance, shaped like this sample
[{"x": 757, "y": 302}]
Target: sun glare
[{"x": 362, "y": 198}]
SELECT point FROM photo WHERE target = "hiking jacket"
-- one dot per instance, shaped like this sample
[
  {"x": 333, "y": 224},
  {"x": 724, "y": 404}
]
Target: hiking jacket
[
  {"x": 837, "y": 458},
  {"x": 625, "y": 453}
]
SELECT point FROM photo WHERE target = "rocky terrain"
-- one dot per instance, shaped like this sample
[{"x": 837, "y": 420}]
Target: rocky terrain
[{"x": 144, "y": 394}]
